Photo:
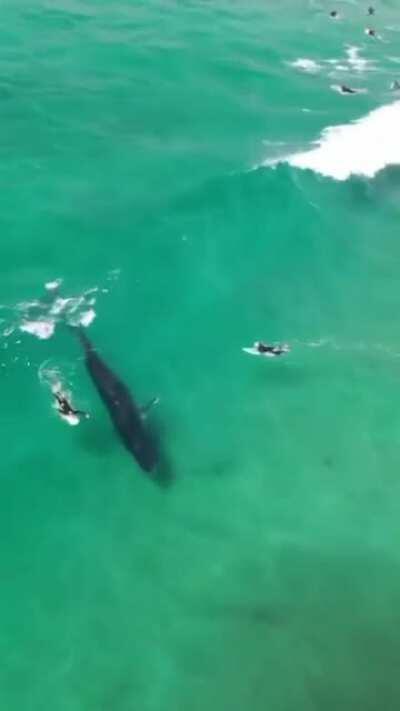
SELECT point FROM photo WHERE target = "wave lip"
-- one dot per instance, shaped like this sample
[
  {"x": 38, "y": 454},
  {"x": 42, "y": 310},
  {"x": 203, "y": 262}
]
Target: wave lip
[{"x": 363, "y": 147}]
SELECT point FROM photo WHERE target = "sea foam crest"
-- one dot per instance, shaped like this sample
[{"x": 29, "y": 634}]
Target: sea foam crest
[
  {"x": 306, "y": 65},
  {"x": 39, "y": 318},
  {"x": 363, "y": 147}
]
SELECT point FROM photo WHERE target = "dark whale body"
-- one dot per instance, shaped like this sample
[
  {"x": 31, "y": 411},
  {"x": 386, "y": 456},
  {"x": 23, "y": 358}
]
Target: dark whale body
[{"x": 126, "y": 416}]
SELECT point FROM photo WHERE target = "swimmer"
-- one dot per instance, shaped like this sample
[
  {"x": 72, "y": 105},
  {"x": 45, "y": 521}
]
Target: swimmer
[
  {"x": 370, "y": 32},
  {"x": 66, "y": 410},
  {"x": 334, "y": 14}
]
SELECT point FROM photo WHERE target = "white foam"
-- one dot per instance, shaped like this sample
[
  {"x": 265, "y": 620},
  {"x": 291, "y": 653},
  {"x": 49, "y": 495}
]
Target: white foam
[
  {"x": 306, "y": 65},
  {"x": 43, "y": 328},
  {"x": 352, "y": 62},
  {"x": 75, "y": 309},
  {"x": 60, "y": 305},
  {"x": 40, "y": 317},
  {"x": 50, "y": 375},
  {"x": 360, "y": 64},
  {"x": 8, "y": 331},
  {"x": 52, "y": 285},
  {"x": 363, "y": 147},
  {"x": 87, "y": 317}
]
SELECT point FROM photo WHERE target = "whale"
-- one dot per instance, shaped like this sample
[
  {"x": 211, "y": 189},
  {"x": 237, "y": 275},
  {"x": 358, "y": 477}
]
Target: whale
[{"x": 127, "y": 417}]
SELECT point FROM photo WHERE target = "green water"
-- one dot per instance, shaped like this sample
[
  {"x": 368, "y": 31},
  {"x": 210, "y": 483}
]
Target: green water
[{"x": 266, "y": 576}]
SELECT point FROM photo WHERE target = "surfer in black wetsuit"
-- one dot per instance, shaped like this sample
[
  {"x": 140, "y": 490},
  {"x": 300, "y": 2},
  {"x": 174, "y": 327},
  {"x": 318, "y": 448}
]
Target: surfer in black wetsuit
[
  {"x": 347, "y": 89},
  {"x": 371, "y": 10},
  {"x": 271, "y": 350},
  {"x": 65, "y": 408}
]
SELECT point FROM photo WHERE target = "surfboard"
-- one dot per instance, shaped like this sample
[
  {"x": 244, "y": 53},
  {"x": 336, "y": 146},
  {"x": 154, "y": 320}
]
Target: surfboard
[
  {"x": 254, "y": 351},
  {"x": 71, "y": 419}
]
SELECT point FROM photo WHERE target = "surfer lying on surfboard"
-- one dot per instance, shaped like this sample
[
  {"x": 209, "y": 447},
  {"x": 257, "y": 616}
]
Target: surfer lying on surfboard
[
  {"x": 268, "y": 351},
  {"x": 65, "y": 409}
]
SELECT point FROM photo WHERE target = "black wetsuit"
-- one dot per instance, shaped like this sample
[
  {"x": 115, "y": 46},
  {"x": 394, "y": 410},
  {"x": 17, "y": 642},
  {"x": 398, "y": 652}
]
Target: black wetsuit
[
  {"x": 347, "y": 90},
  {"x": 274, "y": 350},
  {"x": 64, "y": 408}
]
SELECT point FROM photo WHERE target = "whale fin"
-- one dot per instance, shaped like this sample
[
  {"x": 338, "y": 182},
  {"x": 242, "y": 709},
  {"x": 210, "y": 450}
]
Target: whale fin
[{"x": 145, "y": 409}]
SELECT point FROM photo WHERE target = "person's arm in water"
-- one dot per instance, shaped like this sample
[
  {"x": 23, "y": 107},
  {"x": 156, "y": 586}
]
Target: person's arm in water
[{"x": 80, "y": 413}]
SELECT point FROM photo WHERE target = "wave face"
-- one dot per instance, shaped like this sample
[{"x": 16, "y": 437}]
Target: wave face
[{"x": 363, "y": 147}]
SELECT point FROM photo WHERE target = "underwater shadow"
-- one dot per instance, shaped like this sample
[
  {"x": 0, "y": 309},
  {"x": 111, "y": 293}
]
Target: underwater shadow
[
  {"x": 97, "y": 438},
  {"x": 163, "y": 475}
]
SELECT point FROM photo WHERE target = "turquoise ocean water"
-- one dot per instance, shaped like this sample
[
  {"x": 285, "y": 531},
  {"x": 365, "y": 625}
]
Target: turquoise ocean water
[{"x": 137, "y": 165}]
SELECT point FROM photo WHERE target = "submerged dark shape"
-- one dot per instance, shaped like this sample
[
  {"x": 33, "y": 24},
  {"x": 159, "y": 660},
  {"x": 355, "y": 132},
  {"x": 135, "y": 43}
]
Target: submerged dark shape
[{"x": 127, "y": 417}]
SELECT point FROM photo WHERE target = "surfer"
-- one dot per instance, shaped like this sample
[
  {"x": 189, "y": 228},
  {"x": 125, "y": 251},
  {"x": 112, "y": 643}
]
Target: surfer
[
  {"x": 395, "y": 85},
  {"x": 65, "y": 408},
  {"x": 334, "y": 14},
  {"x": 370, "y": 32},
  {"x": 371, "y": 10},
  {"x": 265, "y": 349},
  {"x": 347, "y": 89}
]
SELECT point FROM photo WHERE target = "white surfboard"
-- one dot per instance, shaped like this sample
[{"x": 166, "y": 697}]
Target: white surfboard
[
  {"x": 254, "y": 351},
  {"x": 71, "y": 419}
]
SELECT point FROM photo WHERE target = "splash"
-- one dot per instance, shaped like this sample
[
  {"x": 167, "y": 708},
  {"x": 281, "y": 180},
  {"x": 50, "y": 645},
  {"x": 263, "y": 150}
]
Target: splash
[
  {"x": 40, "y": 318},
  {"x": 41, "y": 328},
  {"x": 363, "y": 147},
  {"x": 306, "y": 65},
  {"x": 351, "y": 62},
  {"x": 87, "y": 317},
  {"x": 360, "y": 64}
]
